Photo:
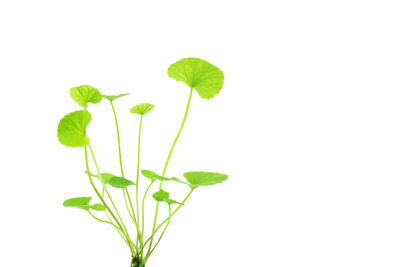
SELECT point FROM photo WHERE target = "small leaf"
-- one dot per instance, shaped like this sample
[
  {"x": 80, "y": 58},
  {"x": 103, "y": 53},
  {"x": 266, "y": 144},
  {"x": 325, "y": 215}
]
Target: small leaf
[
  {"x": 164, "y": 197},
  {"x": 113, "y": 97},
  {"x": 98, "y": 207},
  {"x": 72, "y": 129},
  {"x": 154, "y": 176},
  {"x": 104, "y": 175},
  {"x": 204, "y": 178},
  {"x": 78, "y": 202},
  {"x": 119, "y": 182},
  {"x": 198, "y": 74},
  {"x": 142, "y": 109},
  {"x": 85, "y": 94}
]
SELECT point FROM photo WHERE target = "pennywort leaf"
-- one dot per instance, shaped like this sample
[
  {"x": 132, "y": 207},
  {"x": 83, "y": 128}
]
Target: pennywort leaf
[
  {"x": 119, "y": 182},
  {"x": 105, "y": 176},
  {"x": 198, "y": 74},
  {"x": 113, "y": 97},
  {"x": 154, "y": 176},
  {"x": 204, "y": 178},
  {"x": 85, "y": 94},
  {"x": 142, "y": 109},
  {"x": 72, "y": 129},
  {"x": 78, "y": 202},
  {"x": 163, "y": 196},
  {"x": 98, "y": 207}
]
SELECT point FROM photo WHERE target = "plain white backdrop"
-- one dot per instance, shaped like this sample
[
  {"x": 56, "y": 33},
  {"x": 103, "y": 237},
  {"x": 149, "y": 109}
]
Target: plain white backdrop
[{"x": 306, "y": 125}]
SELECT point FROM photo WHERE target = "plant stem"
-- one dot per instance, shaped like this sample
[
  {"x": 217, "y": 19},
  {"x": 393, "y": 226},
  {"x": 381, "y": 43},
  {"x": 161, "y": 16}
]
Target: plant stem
[
  {"x": 101, "y": 198},
  {"x": 125, "y": 190},
  {"x": 144, "y": 197},
  {"x": 166, "y": 220},
  {"x": 109, "y": 195},
  {"x": 167, "y": 161},
  {"x": 137, "y": 175}
]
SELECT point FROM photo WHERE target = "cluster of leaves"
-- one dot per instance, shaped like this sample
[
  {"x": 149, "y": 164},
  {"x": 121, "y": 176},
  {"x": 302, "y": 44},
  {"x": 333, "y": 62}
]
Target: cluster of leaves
[{"x": 199, "y": 75}]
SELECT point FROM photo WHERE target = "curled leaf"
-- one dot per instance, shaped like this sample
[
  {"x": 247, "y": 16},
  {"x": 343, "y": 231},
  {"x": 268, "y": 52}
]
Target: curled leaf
[
  {"x": 98, "y": 207},
  {"x": 113, "y": 97},
  {"x": 198, "y": 74},
  {"x": 84, "y": 94},
  {"x": 163, "y": 196},
  {"x": 119, "y": 182},
  {"x": 72, "y": 129},
  {"x": 204, "y": 178},
  {"x": 105, "y": 176},
  {"x": 142, "y": 109},
  {"x": 154, "y": 176},
  {"x": 78, "y": 202}
]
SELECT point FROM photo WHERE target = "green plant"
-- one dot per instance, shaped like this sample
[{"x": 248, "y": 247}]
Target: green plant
[{"x": 199, "y": 75}]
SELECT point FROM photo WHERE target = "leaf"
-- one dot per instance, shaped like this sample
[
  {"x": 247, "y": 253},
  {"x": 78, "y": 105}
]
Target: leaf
[
  {"x": 85, "y": 94},
  {"x": 119, "y": 182},
  {"x": 142, "y": 109},
  {"x": 154, "y": 176},
  {"x": 78, "y": 202},
  {"x": 204, "y": 178},
  {"x": 164, "y": 197},
  {"x": 72, "y": 129},
  {"x": 98, "y": 207},
  {"x": 198, "y": 74},
  {"x": 113, "y": 97},
  {"x": 104, "y": 175}
]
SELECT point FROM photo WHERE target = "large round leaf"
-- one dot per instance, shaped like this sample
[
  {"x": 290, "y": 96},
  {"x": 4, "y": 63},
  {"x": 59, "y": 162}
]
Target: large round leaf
[
  {"x": 204, "y": 178},
  {"x": 198, "y": 74},
  {"x": 85, "y": 94},
  {"x": 142, "y": 109},
  {"x": 72, "y": 129}
]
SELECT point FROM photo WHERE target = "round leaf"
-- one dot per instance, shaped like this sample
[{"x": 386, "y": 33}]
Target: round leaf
[
  {"x": 204, "y": 178},
  {"x": 142, "y": 109},
  {"x": 72, "y": 129},
  {"x": 78, "y": 202},
  {"x": 85, "y": 94},
  {"x": 113, "y": 97},
  {"x": 198, "y": 74}
]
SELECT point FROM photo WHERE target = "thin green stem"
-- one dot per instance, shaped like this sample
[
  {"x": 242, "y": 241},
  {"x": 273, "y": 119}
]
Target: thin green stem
[
  {"x": 163, "y": 232},
  {"x": 166, "y": 220},
  {"x": 109, "y": 195},
  {"x": 144, "y": 197},
  {"x": 168, "y": 159},
  {"x": 137, "y": 173},
  {"x": 125, "y": 190}
]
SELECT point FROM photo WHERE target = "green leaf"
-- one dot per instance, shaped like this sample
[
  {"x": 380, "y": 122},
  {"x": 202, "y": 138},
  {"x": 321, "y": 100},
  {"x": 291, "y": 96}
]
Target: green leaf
[
  {"x": 72, "y": 129},
  {"x": 104, "y": 175},
  {"x": 154, "y": 176},
  {"x": 85, "y": 94},
  {"x": 98, "y": 207},
  {"x": 78, "y": 202},
  {"x": 142, "y": 109},
  {"x": 164, "y": 197},
  {"x": 119, "y": 182},
  {"x": 198, "y": 74},
  {"x": 113, "y": 97},
  {"x": 204, "y": 178}
]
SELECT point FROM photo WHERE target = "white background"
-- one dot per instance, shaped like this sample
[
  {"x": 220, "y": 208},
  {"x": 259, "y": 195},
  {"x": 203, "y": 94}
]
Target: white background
[{"x": 306, "y": 126}]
